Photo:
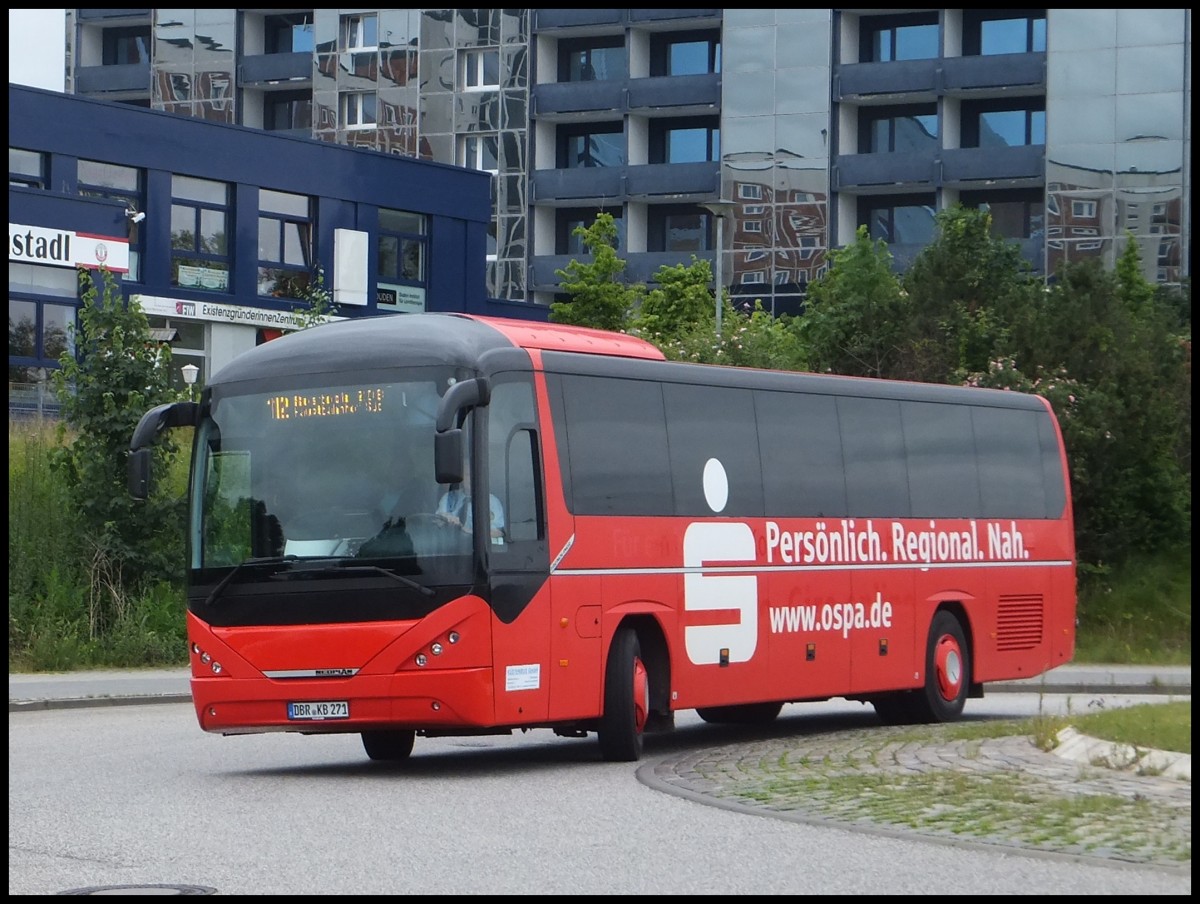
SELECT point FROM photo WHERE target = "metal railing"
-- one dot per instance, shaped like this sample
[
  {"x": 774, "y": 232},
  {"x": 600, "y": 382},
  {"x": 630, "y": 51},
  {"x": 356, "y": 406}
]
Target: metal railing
[{"x": 32, "y": 400}]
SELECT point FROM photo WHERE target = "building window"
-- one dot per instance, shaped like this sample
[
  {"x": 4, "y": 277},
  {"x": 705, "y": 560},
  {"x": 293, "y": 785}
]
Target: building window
[
  {"x": 587, "y": 145},
  {"x": 480, "y": 151},
  {"x": 568, "y": 220},
  {"x": 360, "y": 32},
  {"x": 118, "y": 183},
  {"x": 359, "y": 110},
  {"x": 685, "y": 141},
  {"x": 685, "y": 53},
  {"x": 27, "y": 168},
  {"x": 1015, "y": 215},
  {"x": 126, "y": 46},
  {"x": 200, "y": 216},
  {"x": 888, "y": 130},
  {"x": 481, "y": 69},
  {"x": 291, "y": 33},
  {"x": 992, "y": 31},
  {"x": 902, "y": 220},
  {"x": 889, "y": 38},
  {"x": 38, "y": 334},
  {"x": 285, "y": 244},
  {"x": 680, "y": 229},
  {"x": 997, "y": 124},
  {"x": 403, "y": 246},
  {"x": 592, "y": 59},
  {"x": 286, "y": 111}
]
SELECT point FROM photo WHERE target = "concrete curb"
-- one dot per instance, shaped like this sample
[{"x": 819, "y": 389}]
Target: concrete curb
[{"x": 1080, "y": 748}]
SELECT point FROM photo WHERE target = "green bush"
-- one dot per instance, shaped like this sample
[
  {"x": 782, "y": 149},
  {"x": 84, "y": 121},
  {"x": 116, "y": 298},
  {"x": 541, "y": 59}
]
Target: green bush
[{"x": 53, "y": 580}]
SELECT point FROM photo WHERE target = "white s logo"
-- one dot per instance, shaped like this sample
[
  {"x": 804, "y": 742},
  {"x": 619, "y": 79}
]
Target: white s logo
[{"x": 724, "y": 543}]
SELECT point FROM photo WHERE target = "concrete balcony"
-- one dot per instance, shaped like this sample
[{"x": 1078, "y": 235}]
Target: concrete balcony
[
  {"x": 131, "y": 78},
  {"x": 902, "y": 81},
  {"x": 884, "y": 173},
  {"x": 684, "y": 182},
  {"x": 1006, "y": 167},
  {"x": 579, "y": 187},
  {"x": 266, "y": 70}
]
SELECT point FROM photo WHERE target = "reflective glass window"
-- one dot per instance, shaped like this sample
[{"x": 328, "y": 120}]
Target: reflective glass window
[
  {"x": 26, "y": 168},
  {"x": 592, "y": 59},
  {"x": 285, "y": 244},
  {"x": 200, "y": 241}
]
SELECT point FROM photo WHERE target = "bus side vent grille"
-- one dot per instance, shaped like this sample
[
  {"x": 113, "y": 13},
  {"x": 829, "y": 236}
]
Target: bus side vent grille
[{"x": 1020, "y": 623}]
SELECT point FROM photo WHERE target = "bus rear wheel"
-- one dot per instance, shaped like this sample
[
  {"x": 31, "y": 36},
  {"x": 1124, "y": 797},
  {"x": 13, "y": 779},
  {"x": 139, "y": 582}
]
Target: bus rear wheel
[
  {"x": 626, "y": 700},
  {"x": 388, "y": 745},
  {"x": 743, "y": 714},
  {"x": 947, "y": 680},
  {"x": 947, "y": 672}
]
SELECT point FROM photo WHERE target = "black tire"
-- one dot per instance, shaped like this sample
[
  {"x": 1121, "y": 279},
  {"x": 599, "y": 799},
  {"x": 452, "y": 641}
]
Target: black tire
[
  {"x": 626, "y": 700},
  {"x": 388, "y": 745},
  {"x": 947, "y": 672},
  {"x": 743, "y": 714}
]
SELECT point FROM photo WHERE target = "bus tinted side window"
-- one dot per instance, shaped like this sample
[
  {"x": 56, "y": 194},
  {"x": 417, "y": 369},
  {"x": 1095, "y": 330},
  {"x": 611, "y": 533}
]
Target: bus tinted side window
[
  {"x": 943, "y": 475},
  {"x": 873, "y": 442},
  {"x": 513, "y": 456},
  {"x": 706, "y": 422},
  {"x": 617, "y": 436},
  {"x": 1007, "y": 442},
  {"x": 800, "y": 446}
]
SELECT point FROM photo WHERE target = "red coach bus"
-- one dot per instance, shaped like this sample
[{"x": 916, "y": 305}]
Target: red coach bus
[{"x": 641, "y": 536}]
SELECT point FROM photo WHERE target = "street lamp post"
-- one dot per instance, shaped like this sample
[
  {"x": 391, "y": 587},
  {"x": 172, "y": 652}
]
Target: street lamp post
[
  {"x": 190, "y": 372},
  {"x": 720, "y": 209}
]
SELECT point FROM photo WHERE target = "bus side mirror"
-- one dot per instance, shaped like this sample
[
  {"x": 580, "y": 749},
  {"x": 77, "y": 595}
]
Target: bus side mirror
[
  {"x": 152, "y": 423},
  {"x": 447, "y": 437},
  {"x": 448, "y": 456},
  {"x": 138, "y": 473}
]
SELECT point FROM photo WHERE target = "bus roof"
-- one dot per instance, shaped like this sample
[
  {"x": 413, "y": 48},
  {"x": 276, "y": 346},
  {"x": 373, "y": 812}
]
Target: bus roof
[
  {"x": 561, "y": 337},
  {"x": 419, "y": 339}
]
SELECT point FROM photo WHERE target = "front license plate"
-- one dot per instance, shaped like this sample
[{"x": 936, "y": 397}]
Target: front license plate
[{"x": 316, "y": 711}]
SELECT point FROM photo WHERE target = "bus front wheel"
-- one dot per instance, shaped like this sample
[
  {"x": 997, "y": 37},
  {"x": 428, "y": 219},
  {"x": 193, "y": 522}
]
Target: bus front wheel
[
  {"x": 626, "y": 700},
  {"x": 388, "y": 745}
]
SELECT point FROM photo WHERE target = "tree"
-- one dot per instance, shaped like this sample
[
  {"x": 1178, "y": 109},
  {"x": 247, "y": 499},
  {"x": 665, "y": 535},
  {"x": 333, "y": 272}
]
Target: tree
[
  {"x": 857, "y": 319},
  {"x": 963, "y": 289},
  {"x": 318, "y": 304},
  {"x": 598, "y": 298},
  {"x": 116, "y": 373},
  {"x": 681, "y": 302}
]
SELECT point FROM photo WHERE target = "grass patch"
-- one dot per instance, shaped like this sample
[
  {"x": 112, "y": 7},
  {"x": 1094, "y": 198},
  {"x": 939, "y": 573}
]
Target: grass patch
[
  {"x": 997, "y": 807},
  {"x": 1139, "y": 613}
]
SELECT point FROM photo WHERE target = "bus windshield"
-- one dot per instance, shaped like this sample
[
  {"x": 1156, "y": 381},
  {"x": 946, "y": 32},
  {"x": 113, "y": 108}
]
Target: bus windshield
[{"x": 331, "y": 468}]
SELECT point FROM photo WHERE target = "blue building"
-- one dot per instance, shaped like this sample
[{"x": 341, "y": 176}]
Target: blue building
[{"x": 219, "y": 231}]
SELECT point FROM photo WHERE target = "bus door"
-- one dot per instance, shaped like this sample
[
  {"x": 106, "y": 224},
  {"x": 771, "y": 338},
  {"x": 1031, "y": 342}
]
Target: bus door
[{"x": 517, "y": 553}]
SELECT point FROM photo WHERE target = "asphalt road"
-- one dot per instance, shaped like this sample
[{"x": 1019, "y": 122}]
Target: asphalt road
[{"x": 136, "y": 795}]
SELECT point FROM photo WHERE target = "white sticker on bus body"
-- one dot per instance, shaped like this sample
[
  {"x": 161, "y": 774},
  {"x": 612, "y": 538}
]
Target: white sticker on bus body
[
  {"x": 724, "y": 543},
  {"x": 522, "y": 677}
]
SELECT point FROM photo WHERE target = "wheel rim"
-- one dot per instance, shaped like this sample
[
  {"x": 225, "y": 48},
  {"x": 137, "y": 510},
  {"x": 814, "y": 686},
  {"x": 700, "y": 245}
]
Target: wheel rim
[
  {"x": 948, "y": 663},
  {"x": 641, "y": 695}
]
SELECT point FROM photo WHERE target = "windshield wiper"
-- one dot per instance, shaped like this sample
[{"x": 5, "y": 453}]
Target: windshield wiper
[
  {"x": 394, "y": 575},
  {"x": 233, "y": 572},
  {"x": 343, "y": 568}
]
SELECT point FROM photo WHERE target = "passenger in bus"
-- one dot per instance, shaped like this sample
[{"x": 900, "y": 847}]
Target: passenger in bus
[{"x": 455, "y": 507}]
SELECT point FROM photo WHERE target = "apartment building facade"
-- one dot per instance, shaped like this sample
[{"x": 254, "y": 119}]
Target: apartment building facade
[{"x": 793, "y": 127}]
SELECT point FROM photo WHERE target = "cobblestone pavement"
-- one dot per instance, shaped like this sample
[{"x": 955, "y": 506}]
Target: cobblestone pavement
[{"x": 997, "y": 791}]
